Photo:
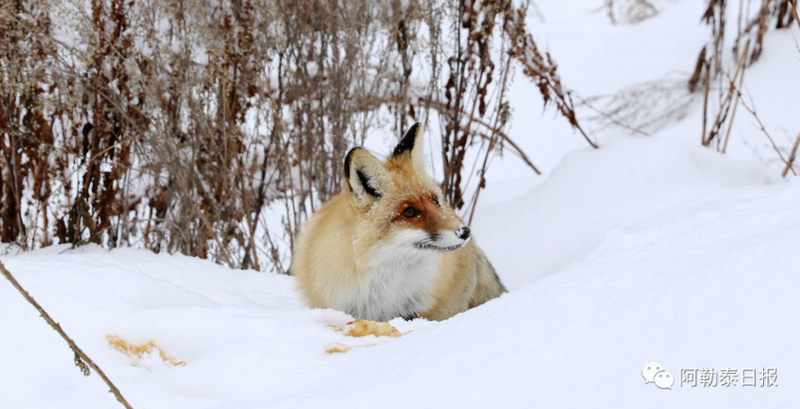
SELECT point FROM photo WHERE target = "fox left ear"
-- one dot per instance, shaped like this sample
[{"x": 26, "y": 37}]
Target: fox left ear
[
  {"x": 364, "y": 176},
  {"x": 411, "y": 148}
]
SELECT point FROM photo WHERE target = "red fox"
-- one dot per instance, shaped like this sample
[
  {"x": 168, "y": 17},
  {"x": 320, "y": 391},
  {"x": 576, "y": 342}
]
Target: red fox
[{"x": 389, "y": 246}]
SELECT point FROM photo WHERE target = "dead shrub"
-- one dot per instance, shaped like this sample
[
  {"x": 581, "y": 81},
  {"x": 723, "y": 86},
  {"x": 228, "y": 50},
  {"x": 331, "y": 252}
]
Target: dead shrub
[{"x": 215, "y": 129}]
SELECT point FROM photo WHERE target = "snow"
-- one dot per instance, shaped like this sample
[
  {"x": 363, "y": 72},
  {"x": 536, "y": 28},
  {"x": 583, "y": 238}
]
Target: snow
[
  {"x": 596, "y": 58},
  {"x": 628, "y": 182},
  {"x": 645, "y": 250},
  {"x": 648, "y": 249}
]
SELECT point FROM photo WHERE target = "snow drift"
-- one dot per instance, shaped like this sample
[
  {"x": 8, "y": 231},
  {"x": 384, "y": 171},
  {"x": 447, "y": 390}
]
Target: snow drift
[{"x": 646, "y": 250}]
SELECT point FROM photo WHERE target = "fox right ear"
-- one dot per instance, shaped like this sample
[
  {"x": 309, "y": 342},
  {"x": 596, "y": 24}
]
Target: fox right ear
[
  {"x": 364, "y": 176},
  {"x": 410, "y": 149}
]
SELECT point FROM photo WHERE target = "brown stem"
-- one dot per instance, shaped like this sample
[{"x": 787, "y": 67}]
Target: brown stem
[
  {"x": 82, "y": 360},
  {"x": 736, "y": 104},
  {"x": 492, "y": 141},
  {"x": 795, "y": 15},
  {"x": 752, "y": 111},
  {"x": 792, "y": 156},
  {"x": 725, "y": 105},
  {"x": 705, "y": 101}
]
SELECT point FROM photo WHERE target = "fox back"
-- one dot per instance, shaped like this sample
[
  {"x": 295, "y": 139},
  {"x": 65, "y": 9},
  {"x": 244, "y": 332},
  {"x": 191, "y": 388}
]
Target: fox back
[{"x": 389, "y": 246}]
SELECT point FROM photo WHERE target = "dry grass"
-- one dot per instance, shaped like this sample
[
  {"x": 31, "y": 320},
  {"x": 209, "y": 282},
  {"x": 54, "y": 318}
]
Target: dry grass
[
  {"x": 747, "y": 49},
  {"x": 642, "y": 108},
  {"x": 629, "y": 11},
  {"x": 185, "y": 127}
]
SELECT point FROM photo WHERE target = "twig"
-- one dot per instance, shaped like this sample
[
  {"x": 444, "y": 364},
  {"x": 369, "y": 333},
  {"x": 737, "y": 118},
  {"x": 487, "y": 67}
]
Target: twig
[
  {"x": 705, "y": 100},
  {"x": 725, "y": 105},
  {"x": 520, "y": 153},
  {"x": 492, "y": 141},
  {"x": 792, "y": 156},
  {"x": 610, "y": 5},
  {"x": 735, "y": 104},
  {"x": 538, "y": 11},
  {"x": 752, "y": 111},
  {"x": 442, "y": 107},
  {"x": 540, "y": 68},
  {"x": 794, "y": 14},
  {"x": 82, "y": 361},
  {"x": 611, "y": 118}
]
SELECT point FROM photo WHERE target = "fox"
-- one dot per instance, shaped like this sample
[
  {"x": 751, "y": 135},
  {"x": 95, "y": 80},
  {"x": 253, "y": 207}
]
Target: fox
[{"x": 388, "y": 245}]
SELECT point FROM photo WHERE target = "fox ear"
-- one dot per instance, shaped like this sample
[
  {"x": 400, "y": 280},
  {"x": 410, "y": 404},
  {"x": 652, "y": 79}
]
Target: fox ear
[
  {"x": 364, "y": 176},
  {"x": 410, "y": 148}
]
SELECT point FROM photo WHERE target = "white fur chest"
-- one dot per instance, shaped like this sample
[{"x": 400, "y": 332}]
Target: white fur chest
[{"x": 399, "y": 282}]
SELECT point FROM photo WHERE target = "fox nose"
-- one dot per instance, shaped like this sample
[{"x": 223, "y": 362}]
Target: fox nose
[{"x": 463, "y": 232}]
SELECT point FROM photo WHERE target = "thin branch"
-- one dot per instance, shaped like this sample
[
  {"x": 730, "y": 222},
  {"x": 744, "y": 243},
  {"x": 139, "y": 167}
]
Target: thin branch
[
  {"x": 611, "y": 118},
  {"x": 538, "y": 11},
  {"x": 752, "y": 111},
  {"x": 725, "y": 105},
  {"x": 735, "y": 104},
  {"x": 82, "y": 361},
  {"x": 792, "y": 157},
  {"x": 795, "y": 15},
  {"x": 442, "y": 107},
  {"x": 492, "y": 141},
  {"x": 705, "y": 100}
]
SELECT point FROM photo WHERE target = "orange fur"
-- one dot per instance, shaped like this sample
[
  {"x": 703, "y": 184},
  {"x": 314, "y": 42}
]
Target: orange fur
[{"x": 364, "y": 253}]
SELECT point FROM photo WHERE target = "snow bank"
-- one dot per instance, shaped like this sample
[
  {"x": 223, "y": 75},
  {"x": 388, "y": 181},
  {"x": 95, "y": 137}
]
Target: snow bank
[
  {"x": 628, "y": 182},
  {"x": 646, "y": 250}
]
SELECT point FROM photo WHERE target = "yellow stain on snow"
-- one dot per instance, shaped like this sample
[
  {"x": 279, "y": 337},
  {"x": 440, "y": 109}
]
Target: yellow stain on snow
[
  {"x": 133, "y": 350},
  {"x": 337, "y": 348},
  {"x": 361, "y": 328}
]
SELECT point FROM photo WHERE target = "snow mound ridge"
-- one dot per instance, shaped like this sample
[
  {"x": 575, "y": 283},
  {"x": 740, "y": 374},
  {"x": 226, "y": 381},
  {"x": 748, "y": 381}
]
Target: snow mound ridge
[{"x": 646, "y": 250}]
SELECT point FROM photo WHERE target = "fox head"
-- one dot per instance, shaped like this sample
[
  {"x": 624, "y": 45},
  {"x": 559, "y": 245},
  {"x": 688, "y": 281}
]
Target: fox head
[{"x": 398, "y": 206}]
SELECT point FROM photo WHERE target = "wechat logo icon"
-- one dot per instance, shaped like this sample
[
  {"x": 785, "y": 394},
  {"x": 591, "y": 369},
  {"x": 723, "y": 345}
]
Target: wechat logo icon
[{"x": 655, "y": 373}]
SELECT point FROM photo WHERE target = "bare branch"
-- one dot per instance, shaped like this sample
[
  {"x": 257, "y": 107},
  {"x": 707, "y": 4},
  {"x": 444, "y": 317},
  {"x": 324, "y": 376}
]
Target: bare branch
[{"x": 82, "y": 361}]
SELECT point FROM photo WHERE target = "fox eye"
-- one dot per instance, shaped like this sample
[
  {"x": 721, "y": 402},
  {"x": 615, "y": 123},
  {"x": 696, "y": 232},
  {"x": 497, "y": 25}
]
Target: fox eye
[{"x": 410, "y": 212}]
